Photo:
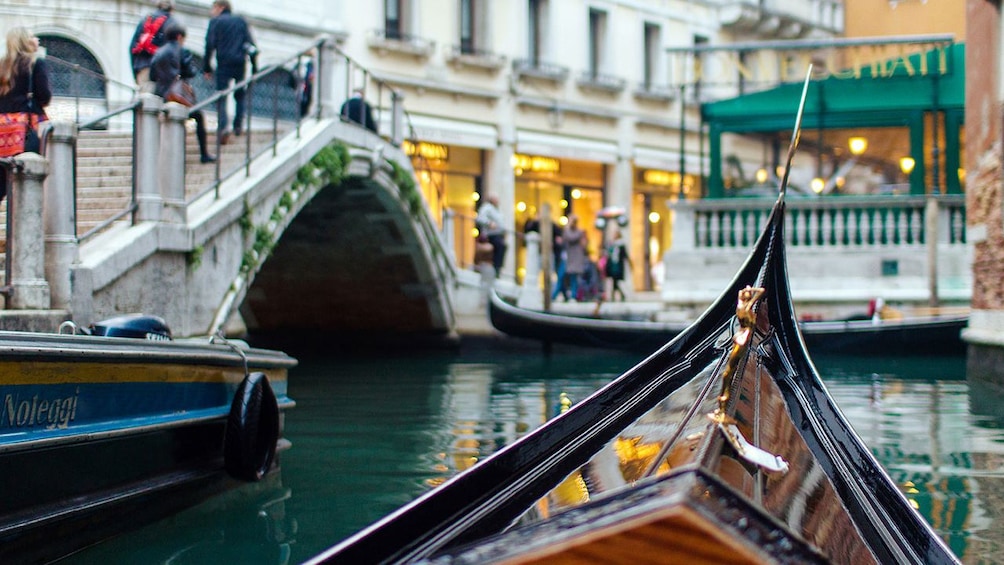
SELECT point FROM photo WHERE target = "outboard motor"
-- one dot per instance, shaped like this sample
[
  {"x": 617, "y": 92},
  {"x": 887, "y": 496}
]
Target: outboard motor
[{"x": 138, "y": 326}]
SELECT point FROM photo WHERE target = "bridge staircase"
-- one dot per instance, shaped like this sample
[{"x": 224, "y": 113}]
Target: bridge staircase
[
  {"x": 105, "y": 175},
  {"x": 101, "y": 227}
]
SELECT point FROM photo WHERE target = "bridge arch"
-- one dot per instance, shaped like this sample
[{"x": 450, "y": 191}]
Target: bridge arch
[{"x": 350, "y": 249}]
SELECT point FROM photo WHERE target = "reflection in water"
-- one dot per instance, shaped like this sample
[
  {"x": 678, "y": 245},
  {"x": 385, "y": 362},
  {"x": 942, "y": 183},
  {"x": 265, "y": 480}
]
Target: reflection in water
[
  {"x": 929, "y": 433},
  {"x": 249, "y": 524},
  {"x": 370, "y": 434}
]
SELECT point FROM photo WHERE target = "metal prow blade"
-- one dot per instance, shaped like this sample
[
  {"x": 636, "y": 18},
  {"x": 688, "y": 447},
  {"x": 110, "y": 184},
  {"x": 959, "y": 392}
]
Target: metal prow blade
[{"x": 795, "y": 134}]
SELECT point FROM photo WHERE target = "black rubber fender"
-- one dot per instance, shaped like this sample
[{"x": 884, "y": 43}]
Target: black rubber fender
[{"x": 252, "y": 429}]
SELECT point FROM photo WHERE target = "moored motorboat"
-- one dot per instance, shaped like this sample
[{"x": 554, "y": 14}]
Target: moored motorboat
[
  {"x": 721, "y": 446},
  {"x": 925, "y": 335},
  {"x": 99, "y": 434}
]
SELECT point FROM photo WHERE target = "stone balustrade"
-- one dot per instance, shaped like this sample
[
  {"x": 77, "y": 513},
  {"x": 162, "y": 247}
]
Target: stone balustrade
[
  {"x": 831, "y": 222},
  {"x": 841, "y": 250}
]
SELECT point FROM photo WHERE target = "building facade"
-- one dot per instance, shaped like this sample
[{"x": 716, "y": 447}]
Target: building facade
[
  {"x": 583, "y": 105},
  {"x": 575, "y": 104}
]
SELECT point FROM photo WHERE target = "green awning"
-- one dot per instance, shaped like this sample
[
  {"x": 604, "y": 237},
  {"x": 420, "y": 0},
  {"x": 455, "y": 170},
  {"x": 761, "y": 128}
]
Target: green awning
[{"x": 839, "y": 102}]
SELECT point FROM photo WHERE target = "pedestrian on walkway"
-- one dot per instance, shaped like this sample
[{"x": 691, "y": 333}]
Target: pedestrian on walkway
[
  {"x": 173, "y": 62},
  {"x": 576, "y": 257},
  {"x": 617, "y": 260},
  {"x": 229, "y": 39},
  {"x": 148, "y": 37},
  {"x": 489, "y": 222}
]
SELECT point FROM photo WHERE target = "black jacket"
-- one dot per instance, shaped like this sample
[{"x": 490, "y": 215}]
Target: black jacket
[
  {"x": 166, "y": 65},
  {"x": 358, "y": 110},
  {"x": 141, "y": 61},
  {"x": 170, "y": 61},
  {"x": 17, "y": 99},
  {"x": 228, "y": 37}
]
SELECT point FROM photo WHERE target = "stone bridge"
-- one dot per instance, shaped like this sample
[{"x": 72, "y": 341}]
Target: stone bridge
[{"x": 321, "y": 228}]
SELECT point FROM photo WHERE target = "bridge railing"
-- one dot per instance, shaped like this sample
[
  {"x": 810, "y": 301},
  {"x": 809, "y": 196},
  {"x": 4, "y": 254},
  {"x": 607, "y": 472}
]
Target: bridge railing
[
  {"x": 130, "y": 110},
  {"x": 283, "y": 106}
]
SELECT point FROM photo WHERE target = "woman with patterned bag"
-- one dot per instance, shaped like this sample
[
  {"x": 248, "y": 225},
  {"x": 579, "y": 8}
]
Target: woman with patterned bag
[{"x": 24, "y": 92}]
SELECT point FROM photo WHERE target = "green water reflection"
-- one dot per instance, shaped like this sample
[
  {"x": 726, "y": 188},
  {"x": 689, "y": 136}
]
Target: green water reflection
[{"x": 370, "y": 433}]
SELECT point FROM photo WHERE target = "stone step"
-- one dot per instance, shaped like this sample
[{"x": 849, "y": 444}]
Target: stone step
[{"x": 104, "y": 171}]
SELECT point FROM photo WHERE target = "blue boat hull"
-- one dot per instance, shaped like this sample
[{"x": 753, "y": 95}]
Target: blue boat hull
[{"x": 95, "y": 429}]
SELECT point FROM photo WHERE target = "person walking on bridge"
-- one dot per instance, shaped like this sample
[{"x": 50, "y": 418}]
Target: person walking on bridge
[
  {"x": 148, "y": 37},
  {"x": 174, "y": 62},
  {"x": 229, "y": 39}
]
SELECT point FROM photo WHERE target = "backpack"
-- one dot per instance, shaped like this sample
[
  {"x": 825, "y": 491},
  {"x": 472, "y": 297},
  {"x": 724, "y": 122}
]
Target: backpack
[{"x": 145, "y": 42}]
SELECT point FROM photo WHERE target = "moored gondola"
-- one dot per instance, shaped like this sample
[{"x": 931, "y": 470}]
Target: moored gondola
[
  {"x": 722, "y": 446},
  {"x": 922, "y": 335}
]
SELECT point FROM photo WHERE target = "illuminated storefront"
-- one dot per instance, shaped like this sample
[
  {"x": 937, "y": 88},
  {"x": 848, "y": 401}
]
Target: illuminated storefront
[
  {"x": 568, "y": 186},
  {"x": 880, "y": 127},
  {"x": 652, "y": 220},
  {"x": 450, "y": 177}
]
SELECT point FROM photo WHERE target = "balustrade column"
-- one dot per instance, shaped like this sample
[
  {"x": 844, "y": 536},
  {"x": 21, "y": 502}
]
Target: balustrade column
[
  {"x": 172, "y": 162},
  {"x": 59, "y": 220},
  {"x": 147, "y": 180},
  {"x": 29, "y": 289}
]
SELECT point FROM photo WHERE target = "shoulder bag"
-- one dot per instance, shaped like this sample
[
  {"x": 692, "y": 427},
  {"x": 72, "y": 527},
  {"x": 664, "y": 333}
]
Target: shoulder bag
[
  {"x": 181, "y": 92},
  {"x": 32, "y": 143},
  {"x": 19, "y": 130}
]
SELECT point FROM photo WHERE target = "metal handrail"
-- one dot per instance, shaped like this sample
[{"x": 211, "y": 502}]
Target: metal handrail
[
  {"x": 248, "y": 84},
  {"x": 132, "y": 206}
]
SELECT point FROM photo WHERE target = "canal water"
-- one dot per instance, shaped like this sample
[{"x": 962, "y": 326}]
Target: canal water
[{"x": 372, "y": 431}]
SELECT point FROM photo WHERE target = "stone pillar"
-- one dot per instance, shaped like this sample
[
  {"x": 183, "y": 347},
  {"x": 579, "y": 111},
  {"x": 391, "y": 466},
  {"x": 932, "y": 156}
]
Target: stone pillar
[
  {"x": 333, "y": 78},
  {"x": 172, "y": 162},
  {"x": 29, "y": 290},
  {"x": 499, "y": 178},
  {"x": 530, "y": 295},
  {"x": 937, "y": 231},
  {"x": 147, "y": 181},
  {"x": 500, "y": 182},
  {"x": 684, "y": 224},
  {"x": 397, "y": 118},
  {"x": 59, "y": 219}
]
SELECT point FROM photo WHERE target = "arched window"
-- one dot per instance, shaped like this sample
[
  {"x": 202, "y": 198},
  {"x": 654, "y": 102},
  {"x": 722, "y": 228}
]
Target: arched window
[{"x": 74, "y": 72}]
